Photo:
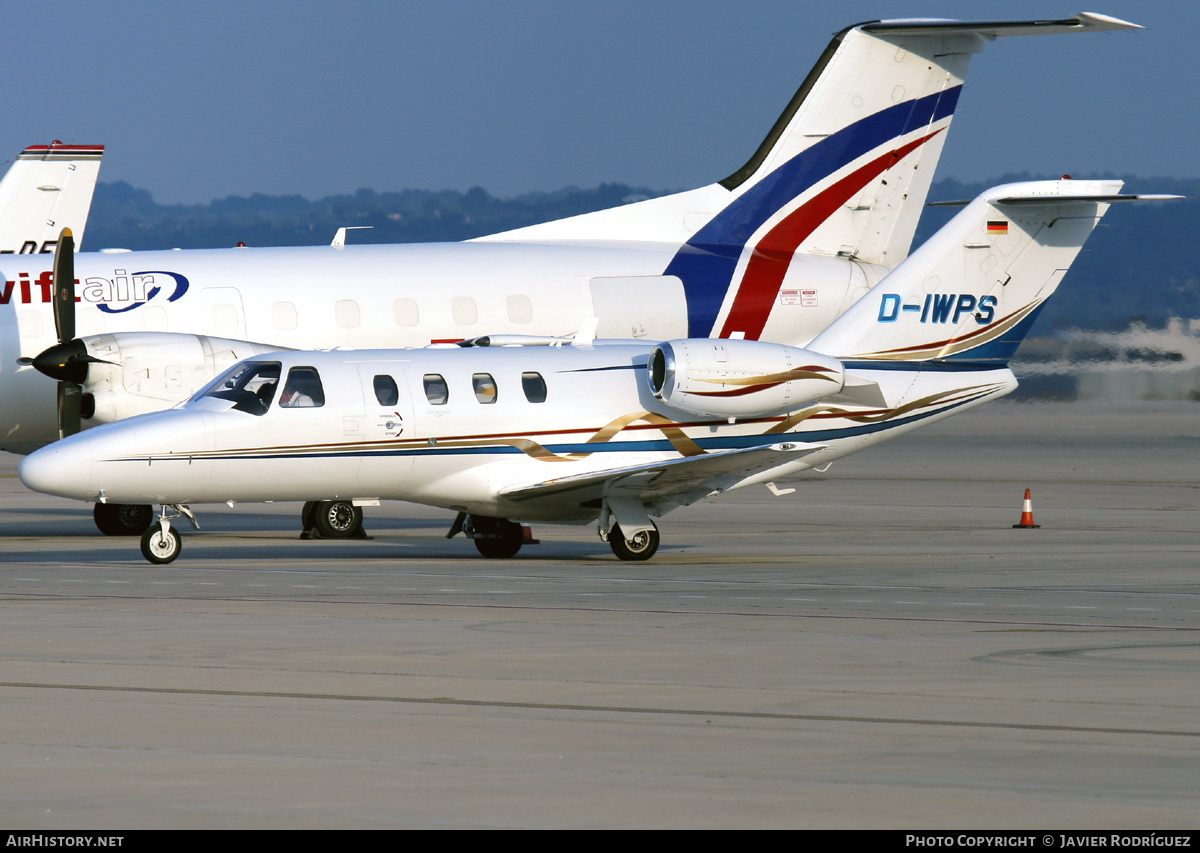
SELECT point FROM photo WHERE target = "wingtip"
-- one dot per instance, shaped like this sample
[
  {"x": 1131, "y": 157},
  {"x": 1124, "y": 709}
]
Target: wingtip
[{"x": 1097, "y": 21}]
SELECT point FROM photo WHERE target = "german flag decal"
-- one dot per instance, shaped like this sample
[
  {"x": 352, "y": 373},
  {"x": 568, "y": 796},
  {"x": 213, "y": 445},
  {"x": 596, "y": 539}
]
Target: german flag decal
[{"x": 997, "y": 227}]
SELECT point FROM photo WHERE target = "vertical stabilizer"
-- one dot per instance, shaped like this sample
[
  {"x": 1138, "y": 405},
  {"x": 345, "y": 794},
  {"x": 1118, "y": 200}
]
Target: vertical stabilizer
[
  {"x": 843, "y": 173},
  {"x": 47, "y": 188},
  {"x": 972, "y": 291}
]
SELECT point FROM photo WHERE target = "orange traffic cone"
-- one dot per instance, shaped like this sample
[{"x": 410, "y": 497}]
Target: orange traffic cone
[{"x": 1027, "y": 513}]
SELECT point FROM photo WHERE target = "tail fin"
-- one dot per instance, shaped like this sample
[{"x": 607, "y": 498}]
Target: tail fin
[
  {"x": 971, "y": 292},
  {"x": 843, "y": 173},
  {"x": 47, "y": 188}
]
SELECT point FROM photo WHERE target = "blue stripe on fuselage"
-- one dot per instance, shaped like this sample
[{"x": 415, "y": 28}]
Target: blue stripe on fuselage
[
  {"x": 706, "y": 263},
  {"x": 718, "y": 443}
]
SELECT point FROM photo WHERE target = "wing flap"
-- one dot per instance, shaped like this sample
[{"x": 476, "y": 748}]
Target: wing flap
[{"x": 656, "y": 481}]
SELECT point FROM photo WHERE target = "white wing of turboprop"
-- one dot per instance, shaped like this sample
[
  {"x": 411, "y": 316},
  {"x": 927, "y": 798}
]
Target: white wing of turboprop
[{"x": 47, "y": 188}]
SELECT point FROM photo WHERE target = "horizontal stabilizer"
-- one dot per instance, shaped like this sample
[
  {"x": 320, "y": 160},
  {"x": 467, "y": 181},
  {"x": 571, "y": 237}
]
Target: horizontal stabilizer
[
  {"x": 1084, "y": 21},
  {"x": 1089, "y": 199},
  {"x": 1041, "y": 199}
]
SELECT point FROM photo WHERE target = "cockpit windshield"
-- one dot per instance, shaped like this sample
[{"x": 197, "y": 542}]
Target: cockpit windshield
[{"x": 250, "y": 385}]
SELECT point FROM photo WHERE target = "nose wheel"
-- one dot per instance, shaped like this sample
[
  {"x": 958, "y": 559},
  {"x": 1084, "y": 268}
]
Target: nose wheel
[{"x": 161, "y": 543}]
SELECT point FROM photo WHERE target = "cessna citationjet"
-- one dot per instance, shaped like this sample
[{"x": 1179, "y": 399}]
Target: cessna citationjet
[{"x": 824, "y": 209}]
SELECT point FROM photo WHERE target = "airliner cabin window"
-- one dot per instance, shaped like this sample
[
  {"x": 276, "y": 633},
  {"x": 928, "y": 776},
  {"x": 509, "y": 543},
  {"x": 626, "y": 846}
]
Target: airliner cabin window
[
  {"x": 386, "y": 391},
  {"x": 485, "y": 387},
  {"x": 435, "y": 389},
  {"x": 250, "y": 385},
  {"x": 534, "y": 386},
  {"x": 303, "y": 389}
]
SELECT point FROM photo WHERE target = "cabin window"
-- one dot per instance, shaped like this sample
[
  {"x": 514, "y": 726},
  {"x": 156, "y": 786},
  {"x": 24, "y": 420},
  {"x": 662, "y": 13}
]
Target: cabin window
[
  {"x": 463, "y": 309},
  {"x": 283, "y": 315},
  {"x": 303, "y": 389},
  {"x": 485, "y": 387},
  {"x": 435, "y": 389},
  {"x": 225, "y": 318},
  {"x": 154, "y": 318},
  {"x": 534, "y": 387},
  {"x": 250, "y": 385},
  {"x": 520, "y": 309},
  {"x": 346, "y": 314},
  {"x": 386, "y": 391},
  {"x": 405, "y": 312},
  {"x": 29, "y": 324}
]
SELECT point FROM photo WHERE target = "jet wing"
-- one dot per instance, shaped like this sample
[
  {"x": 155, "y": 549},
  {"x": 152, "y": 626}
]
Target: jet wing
[{"x": 675, "y": 480}]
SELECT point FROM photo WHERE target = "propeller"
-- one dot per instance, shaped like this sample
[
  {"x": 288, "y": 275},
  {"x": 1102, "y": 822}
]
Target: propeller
[{"x": 68, "y": 360}]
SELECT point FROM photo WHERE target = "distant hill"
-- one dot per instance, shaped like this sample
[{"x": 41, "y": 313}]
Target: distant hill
[
  {"x": 129, "y": 218},
  {"x": 1138, "y": 265}
]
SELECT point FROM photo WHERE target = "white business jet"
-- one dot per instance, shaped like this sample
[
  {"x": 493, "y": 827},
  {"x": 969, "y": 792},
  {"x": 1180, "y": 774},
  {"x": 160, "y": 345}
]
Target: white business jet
[
  {"x": 620, "y": 433},
  {"x": 824, "y": 209}
]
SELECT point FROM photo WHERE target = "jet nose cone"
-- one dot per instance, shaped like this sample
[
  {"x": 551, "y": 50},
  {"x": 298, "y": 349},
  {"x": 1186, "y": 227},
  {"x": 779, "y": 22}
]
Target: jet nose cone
[{"x": 57, "y": 469}]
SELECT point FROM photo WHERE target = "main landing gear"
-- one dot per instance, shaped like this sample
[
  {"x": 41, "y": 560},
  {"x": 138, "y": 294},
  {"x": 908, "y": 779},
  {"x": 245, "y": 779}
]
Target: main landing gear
[
  {"x": 123, "y": 519},
  {"x": 495, "y": 538},
  {"x": 332, "y": 520},
  {"x": 641, "y": 546}
]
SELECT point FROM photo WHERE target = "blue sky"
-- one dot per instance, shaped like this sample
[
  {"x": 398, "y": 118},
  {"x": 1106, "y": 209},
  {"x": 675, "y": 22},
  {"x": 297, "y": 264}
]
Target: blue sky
[{"x": 203, "y": 99}]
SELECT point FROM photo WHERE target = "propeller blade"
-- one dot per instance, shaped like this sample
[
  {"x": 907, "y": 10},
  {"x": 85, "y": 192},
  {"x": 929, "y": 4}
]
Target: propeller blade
[
  {"x": 64, "y": 286},
  {"x": 70, "y": 403}
]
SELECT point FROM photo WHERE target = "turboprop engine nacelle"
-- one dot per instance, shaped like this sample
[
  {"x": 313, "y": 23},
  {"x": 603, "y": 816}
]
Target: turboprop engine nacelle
[
  {"x": 740, "y": 379},
  {"x": 139, "y": 372}
]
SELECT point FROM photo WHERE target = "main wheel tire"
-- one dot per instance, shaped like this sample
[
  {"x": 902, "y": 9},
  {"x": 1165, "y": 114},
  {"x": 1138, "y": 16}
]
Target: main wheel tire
[
  {"x": 338, "y": 519},
  {"x": 641, "y": 547},
  {"x": 508, "y": 541},
  {"x": 160, "y": 548},
  {"x": 123, "y": 519},
  {"x": 308, "y": 515}
]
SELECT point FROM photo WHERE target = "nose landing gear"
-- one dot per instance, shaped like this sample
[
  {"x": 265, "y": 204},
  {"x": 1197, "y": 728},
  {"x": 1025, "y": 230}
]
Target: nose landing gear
[{"x": 161, "y": 543}]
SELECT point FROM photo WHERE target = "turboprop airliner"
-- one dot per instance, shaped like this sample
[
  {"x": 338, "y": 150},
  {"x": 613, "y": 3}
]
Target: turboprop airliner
[
  {"x": 821, "y": 212},
  {"x": 616, "y": 433}
]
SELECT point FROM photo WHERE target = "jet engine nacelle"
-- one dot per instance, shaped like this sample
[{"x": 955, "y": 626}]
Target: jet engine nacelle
[
  {"x": 740, "y": 379},
  {"x": 139, "y": 372}
]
